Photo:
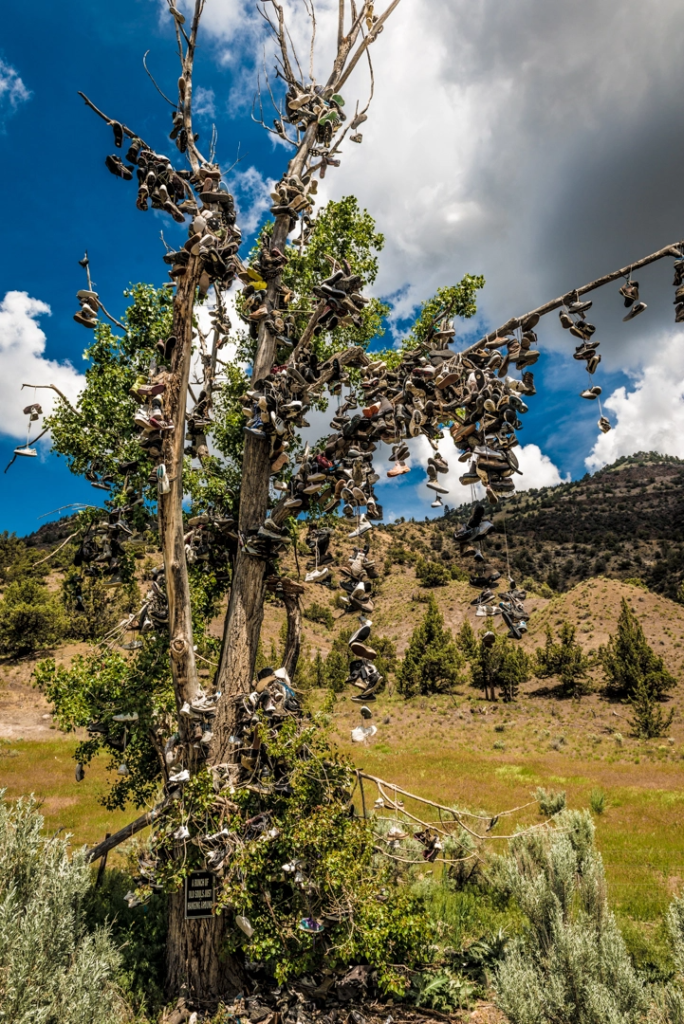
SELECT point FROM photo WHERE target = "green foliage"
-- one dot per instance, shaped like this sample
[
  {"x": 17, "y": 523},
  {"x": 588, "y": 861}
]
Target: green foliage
[
  {"x": 100, "y": 428},
  {"x": 432, "y": 574},
  {"x": 92, "y": 690},
  {"x": 458, "y": 574},
  {"x": 316, "y": 612},
  {"x": 139, "y": 935},
  {"x": 535, "y": 587},
  {"x": 345, "y": 232},
  {"x": 31, "y": 618},
  {"x": 370, "y": 916},
  {"x": 397, "y": 554},
  {"x": 504, "y": 665},
  {"x": 466, "y": 641},
  {"x": 444, "y": 990},
  {"x": 550, "y": 801},
  {"x": 597, "y": 800},
  {"x": 432, "y": 662},
  {"x": 649, "y": 720},
  {"x": 571, "y": 964},
  {"x": 631, "y": 667},
  {"x": 449, "y": 301},
  {"x": 51, "y": 967},
  {"x": 564, "y": 659}
]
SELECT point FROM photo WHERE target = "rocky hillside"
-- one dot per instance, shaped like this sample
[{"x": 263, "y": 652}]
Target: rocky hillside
[{"x": 625, "y": 522}]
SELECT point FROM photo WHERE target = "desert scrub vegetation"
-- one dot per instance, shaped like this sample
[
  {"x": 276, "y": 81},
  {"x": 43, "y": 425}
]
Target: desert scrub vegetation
[{"x": 52, "y": 967}]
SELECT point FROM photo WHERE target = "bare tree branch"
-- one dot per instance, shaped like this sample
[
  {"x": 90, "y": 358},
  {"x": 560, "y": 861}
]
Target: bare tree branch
[
  {"x": 62, "y": 545},
  {"x": 675, "y": 249},
  {"x": 53, "y": 387},
  {"x": 151, "y": 77},
  {"x": 95, "y": 852},
  {"x": 370, "y": 38}
]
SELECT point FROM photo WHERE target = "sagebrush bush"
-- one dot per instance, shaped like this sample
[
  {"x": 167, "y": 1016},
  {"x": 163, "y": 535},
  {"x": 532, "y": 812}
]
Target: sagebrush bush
[
  {"x": 52, "y": 969},
  {"x": 571, "y": 964},
  {"x": 550, "y": 801}
]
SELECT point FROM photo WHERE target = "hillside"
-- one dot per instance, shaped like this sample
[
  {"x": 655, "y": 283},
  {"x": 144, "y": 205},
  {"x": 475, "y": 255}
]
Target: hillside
[{"x": 626, "y": 521}]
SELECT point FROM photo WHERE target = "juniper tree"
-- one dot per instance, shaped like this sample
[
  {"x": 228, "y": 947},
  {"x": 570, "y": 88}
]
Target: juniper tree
[
  {"x": 499, "y": 664},
  {"x": 629, "y": 662},
  {"x": 563, "y": 658},
  {"x": 432, "y": 662}
]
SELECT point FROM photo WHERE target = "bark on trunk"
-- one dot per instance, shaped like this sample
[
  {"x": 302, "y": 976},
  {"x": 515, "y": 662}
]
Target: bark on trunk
[
  {"x": 246, "y": 606},
  {"x": 183, "y": 666},
  {"x": 197, "y": 965},
  {"x": 293, "y": 642}
]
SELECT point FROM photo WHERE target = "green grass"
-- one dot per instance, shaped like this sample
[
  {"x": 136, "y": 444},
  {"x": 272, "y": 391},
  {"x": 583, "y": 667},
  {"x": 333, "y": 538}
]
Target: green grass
[
  {"x": 46, "y": 768},
  {"x": 639, "y": 833}
]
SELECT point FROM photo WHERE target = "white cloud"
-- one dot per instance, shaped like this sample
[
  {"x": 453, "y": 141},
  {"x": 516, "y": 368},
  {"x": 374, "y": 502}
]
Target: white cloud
[
  {"x": 252, "y": 197},
  {"x": 22, "y": 361},
  {"x": 204, "y": 102},
  {"x": 537, "y": 144},
  {"x": 537, "y": 471},
  {"x": 651, "y": 416},
  {"x": 12, "y": 89}
]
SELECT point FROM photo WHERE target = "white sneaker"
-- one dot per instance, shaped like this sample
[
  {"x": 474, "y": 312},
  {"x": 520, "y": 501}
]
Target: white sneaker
[{"x": 363, "y": 527}]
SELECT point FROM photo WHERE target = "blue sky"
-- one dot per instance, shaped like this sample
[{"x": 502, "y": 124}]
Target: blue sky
[{"x": 481, "y": 175}]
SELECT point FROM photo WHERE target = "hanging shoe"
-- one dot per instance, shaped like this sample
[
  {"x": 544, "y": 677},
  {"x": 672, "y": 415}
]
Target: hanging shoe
[
  {"x": 363, "y": 527},
  {"x": 591, "y": 393},
  {"x": 637, "y": 308},
  {"x": 604, "y": 424},
  {"x": 630, "y": 292}
]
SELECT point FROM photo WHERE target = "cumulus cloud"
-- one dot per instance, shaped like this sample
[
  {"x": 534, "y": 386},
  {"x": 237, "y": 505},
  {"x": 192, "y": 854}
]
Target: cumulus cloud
[
  {"x": 650, "y": 417},
  {"x": 537, "y": 471},
  {"x": 537, "y": 144},
  {"x": 22, "y": 361},
  {"x": 13, "y": 92}
]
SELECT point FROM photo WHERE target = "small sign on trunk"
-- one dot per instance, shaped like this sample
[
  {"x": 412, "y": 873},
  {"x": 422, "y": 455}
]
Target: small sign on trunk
[{"x": 200, "y": 888}]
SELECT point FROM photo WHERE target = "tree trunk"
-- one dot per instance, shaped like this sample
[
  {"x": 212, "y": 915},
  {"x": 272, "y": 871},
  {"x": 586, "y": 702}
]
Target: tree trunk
[
  {"x": 293, "y": 642},
  {"x": 197, "y": 966},
  {"x": 246, "y": 606},
  {"x": 183, "y": 666}
]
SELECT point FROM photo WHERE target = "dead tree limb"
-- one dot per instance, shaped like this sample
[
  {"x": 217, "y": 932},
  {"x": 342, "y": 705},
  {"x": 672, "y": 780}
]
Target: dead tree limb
[
  {"x": 95, "y": 852},
  {"x": 548, "y": 307},
  {"x": 293, "y": 641},
  {"x": 53, "y": 387}
]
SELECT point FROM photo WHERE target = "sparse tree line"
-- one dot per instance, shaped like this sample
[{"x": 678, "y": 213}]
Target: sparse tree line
[{"x": 36, "y": 616}]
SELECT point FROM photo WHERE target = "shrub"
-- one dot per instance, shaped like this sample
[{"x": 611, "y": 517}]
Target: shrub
[
  {"x": 432, "y": 662},
  {"x": 397, "y": 554},
  {"x": 432, "y": 574},
  {"x": 319, "y": 613},
  {"x": 550, "y": 801},
  {"x": 565, "y": 659},
  {"x": 597, "y": 801},
  {"x": 571, "y": 964},
  {"x": 51, "y": 967},
  {"x": 31, "y": 618},
  {"x": 141, "y": 936}
]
